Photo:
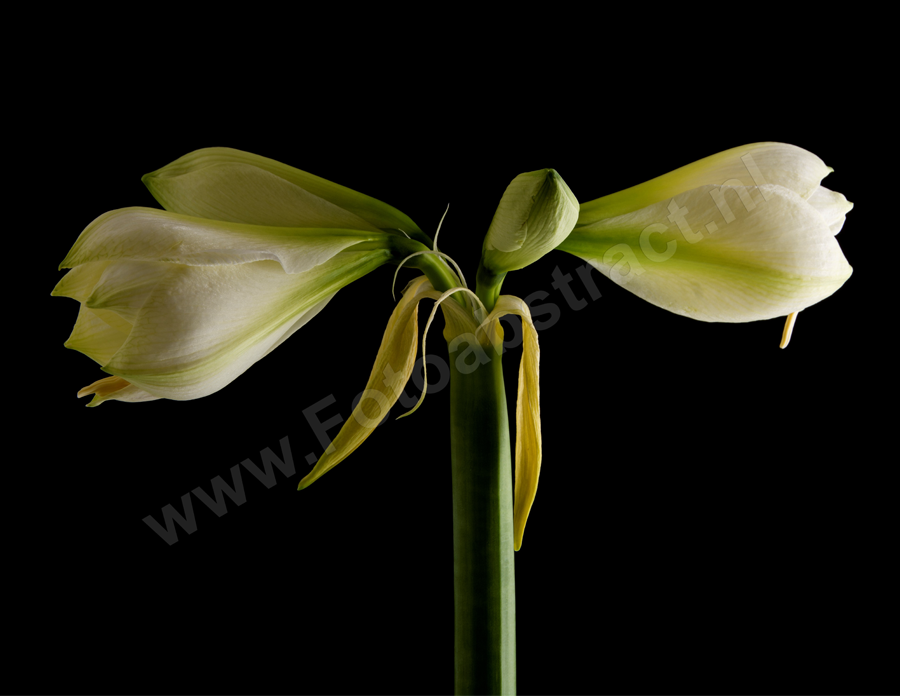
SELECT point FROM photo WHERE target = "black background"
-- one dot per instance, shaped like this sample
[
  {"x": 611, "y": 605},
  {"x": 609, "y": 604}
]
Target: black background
[{"x": 713, "y": 512}]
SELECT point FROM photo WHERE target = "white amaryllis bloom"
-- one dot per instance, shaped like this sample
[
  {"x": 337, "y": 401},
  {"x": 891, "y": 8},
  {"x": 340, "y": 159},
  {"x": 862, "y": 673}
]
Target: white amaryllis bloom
[
  {"x": 177, "y": 307},
  {"x": 535, "y": 214},
  {"x": 743, "y": 235},
  {"x": 177, "y": 304}
]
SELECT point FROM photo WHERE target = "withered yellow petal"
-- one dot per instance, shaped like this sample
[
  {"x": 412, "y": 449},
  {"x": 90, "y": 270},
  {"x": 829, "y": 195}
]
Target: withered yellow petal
[
  {"x": 393, "y": 368},
  {"x": 528, "y": 414}
]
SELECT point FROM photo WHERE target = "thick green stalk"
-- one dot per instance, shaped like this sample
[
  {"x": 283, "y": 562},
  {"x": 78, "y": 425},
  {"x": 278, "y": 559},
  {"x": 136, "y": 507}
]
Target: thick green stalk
[
  {"x": 439, "y": 273},
  {"x": 488, "y": 286},
  {"x": 483, "y": 575}
]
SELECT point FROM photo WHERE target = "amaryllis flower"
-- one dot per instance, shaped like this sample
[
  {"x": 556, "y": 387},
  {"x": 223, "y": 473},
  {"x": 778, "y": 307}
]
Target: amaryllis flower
[
  {"x": 743, "y": 235},
  {"x": 177, "y": 303}
]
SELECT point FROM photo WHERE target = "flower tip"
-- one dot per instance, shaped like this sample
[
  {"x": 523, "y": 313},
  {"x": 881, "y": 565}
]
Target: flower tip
[
  {"x": 88, "y": 391},
  {"x": 412, "y": 410},
  {"x": 151, "y": 183}
]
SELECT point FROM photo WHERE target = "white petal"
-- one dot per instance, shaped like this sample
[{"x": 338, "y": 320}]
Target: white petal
[
  {"x": 203, "y": 326},
  {"x": 98, "y": 333},
  {"x": 749, "y": 165},
  {"x": 832, "y": 206},
  {"x": 738, "y": 265},
  {"x": 157, "y": 235},
  {"x": 221, "y": 183},
  {"x": 125, "y": 285},
  {"x": 302, "y": 321},
  {"x": 79, "y": 282}
]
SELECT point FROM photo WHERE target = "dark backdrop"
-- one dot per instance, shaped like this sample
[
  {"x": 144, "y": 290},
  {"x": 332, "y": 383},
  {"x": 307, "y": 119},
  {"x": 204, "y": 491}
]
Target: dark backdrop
[{"x": 712, "y": 513}]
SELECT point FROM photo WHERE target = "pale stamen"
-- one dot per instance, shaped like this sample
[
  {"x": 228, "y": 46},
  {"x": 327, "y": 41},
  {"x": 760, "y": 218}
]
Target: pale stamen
[
  {"x": 788, "y": 329},
  {"x": 438, "y": 231},
  {"x": 420, "y": 253}
]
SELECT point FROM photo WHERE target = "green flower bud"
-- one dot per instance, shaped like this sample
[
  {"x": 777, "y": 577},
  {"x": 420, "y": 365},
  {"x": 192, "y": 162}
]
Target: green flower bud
[{"x": 535, "y": 216}]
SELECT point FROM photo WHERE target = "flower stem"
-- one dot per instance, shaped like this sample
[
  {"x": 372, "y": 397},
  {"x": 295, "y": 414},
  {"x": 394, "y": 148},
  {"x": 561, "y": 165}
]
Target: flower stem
[
  {"x": 441, "y": 276},
  {"x": 483, "y": 576},
  {"x": 439, "y": 273},
  {"x": 488, "y": 286}
]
